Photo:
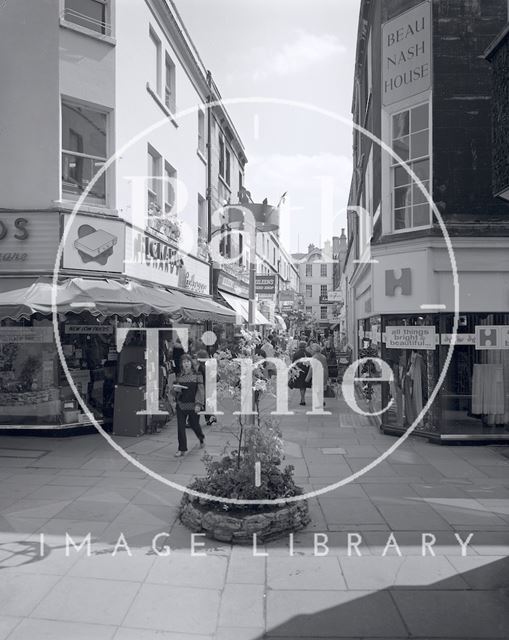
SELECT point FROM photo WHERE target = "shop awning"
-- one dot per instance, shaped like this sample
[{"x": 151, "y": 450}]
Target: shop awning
[
  {"x": 192, "y": 308},
  {"x": 99, "y": 297},
  {"x": 241, "y": 308},
  {"x": 280, "y": 321}
]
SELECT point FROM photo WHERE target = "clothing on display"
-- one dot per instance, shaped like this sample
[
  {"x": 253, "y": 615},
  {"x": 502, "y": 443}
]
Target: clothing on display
[{"x": 488, "y": 389}]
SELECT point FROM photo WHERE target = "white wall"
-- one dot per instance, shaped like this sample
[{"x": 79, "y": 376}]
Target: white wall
[
  {"x": 29, "y": 104},
  {"x": 137, "y": 110}
]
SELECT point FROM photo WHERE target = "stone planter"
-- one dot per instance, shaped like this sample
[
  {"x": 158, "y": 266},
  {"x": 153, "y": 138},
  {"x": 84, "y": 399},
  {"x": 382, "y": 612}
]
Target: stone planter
[{"x": 238, "y": 527}]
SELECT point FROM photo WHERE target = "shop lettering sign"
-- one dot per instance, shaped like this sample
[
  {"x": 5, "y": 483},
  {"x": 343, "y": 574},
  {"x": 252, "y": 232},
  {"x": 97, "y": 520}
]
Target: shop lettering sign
[
  {"x": 158, "y": 261},
  {"x": 28, "y": 242},
  {"x": 461, "y": 339},
  {"x": 237, "y": 287},
  {"x": 406, "y": 54},
  {"x": 88, "y": 329},
  {"x": 24, "y": 335},
  {"x": 491, "y": 337},
  {"x": 410, "y": 338}
]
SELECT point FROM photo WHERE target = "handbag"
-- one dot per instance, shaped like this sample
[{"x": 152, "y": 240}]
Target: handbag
[{"x": 329, "y": 392}]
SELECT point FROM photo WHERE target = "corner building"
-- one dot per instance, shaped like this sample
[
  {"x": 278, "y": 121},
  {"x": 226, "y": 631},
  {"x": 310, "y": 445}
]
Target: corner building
[
  {"x": 83, "y": 80},
  {"x": 424, "y": 87}
]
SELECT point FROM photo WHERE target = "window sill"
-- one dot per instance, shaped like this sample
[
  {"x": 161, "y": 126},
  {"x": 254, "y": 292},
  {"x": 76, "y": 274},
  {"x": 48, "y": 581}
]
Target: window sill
[
  {"x": 69, "y": 205},
  {"x": 410, "y": 229},
  {"x": 221, "y": 179},
  {"x": 201, "y": 156},
  {"x": 87, "y": 32},
  {"x": 161, "y": 105}
]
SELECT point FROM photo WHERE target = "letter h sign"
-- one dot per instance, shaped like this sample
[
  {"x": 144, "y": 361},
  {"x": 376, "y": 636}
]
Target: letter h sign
[{"x": 404, "y": 282}]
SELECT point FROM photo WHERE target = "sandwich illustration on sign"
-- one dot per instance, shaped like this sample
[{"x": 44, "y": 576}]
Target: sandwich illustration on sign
[{"x": 94, "y": 245}]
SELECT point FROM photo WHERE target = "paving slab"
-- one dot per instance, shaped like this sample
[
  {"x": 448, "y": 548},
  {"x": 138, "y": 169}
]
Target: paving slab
[
  {"x": 333, "y": 614},
  {"x": 454, "y": 614},
  {"x": 177, "y": 609},
  {"x": 242, "y": 605},
  {"x": 91, "y": 600},
  {"x": 31, "y": 629},
  {"x": 305, "y": 573}
]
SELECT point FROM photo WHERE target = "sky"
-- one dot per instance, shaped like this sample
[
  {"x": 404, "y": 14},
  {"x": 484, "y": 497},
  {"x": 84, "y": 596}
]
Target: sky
[{"x": 288, "y": 51}]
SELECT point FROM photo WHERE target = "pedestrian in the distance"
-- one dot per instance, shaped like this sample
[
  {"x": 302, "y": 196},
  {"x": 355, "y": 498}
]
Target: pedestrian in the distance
[
  {"x": 190, "y": 397},
  {"x": 300, "y": 382},
  {"x": 202, "y": 355},
  {"x": 317, "y": 355}
]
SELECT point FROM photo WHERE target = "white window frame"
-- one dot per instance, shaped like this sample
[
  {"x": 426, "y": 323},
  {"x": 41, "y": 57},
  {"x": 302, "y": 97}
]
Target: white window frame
[
  {"x": 67, "y": 14},
  {"x": 309, "y": 291},
  {"x": 67, "y": 195},
  {"x": 323, "y": 312},
  {"x": 156, "y": 42},
  {"x": 323, "y": 267},
  {"x": 392, "y": 165},
  {"x": 154, "y": 185},
  {"x": 309, "y": 270},
  {"x": 201, "y": 133},
  {"x": 170, "y": 83},
  {"x": 170, "y": 204}
]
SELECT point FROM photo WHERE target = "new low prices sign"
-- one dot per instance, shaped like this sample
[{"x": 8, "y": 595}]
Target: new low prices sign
[{"x": 410, "y": 338}]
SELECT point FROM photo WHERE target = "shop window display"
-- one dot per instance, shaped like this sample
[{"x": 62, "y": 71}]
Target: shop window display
[
  {"x": 413, "y": 376},
  {"x": 90, "y": 354},
  {"x": 28, "y": 373},
  {"x": 476, "y": 391}
]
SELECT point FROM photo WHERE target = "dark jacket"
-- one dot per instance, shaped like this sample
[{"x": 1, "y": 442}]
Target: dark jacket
[{"x": 188, "y": 398}]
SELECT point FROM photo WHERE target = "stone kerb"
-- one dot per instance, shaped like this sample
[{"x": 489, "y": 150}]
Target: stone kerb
[{"x": 269, "y": 524}]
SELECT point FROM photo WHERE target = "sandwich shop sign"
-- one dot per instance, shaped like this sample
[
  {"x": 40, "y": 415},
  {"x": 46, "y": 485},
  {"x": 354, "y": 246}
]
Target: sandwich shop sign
[
  {"x": 406, "y": 54},
  {"x": 155, "y": 260}
]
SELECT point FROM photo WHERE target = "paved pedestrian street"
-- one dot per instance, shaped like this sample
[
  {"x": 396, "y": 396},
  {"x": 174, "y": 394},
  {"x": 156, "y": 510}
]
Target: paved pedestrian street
[{"x": 357, "y": 571}]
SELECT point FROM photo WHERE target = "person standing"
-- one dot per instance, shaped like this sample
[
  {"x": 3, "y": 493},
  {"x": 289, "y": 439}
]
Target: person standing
[
  {"x": 300, "y": 382},
  {"x": 199, "y": 366},
  {"x": 189, "y": 393},
  {"x": 317, "y": 355}
]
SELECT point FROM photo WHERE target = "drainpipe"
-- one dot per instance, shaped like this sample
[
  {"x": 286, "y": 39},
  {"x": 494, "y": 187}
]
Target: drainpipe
[{"x": 209, "y": 178}]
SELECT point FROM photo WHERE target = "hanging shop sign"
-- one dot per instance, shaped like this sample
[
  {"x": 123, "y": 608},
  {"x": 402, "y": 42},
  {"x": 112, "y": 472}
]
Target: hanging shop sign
[
  {"x": 410, "y": 338},
  {"x": 88, "y": 329},
  {"x": 335, "y": 296},
  {"x": 231, "y": 285},
  {"x": 24, "y": 335},
  {"x": 406, "y": 54},
  {"x": 28, "y": 241},
  {"x": 94, "y": 244},
  {"x": 286, "y": 295},
  {"x": 266, "y": 284},
  {"x": 155, "y": 260}
]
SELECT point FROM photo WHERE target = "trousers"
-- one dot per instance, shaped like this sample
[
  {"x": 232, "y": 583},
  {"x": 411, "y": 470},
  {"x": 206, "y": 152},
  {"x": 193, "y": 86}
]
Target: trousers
[{"x": 185, "y": 417}]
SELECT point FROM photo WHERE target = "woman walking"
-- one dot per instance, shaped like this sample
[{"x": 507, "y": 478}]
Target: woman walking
[
  {"x": 318, "y": 355},
  {"x": 302, "y": 369},
  {"x": 189, "y": 393}
]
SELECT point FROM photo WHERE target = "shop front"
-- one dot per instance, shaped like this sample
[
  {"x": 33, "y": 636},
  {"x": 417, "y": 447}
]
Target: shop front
[
  {"x": 234, "y": 291},
  {"x": 102, "y": 286},
  {"x": 414, "y": 293}
]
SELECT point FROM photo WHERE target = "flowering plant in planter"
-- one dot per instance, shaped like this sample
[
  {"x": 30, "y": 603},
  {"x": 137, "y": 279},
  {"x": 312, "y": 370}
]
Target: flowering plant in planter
[{"x": 232, "y": 475}]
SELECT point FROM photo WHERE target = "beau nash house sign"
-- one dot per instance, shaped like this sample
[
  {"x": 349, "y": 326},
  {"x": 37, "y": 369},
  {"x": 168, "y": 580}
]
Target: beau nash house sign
[{"x": 406, "y": 54}]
